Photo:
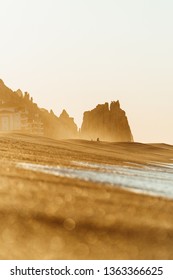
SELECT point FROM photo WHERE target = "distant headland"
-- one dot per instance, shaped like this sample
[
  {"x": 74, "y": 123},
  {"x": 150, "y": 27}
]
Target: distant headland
[{"x": 18, "y": 113}]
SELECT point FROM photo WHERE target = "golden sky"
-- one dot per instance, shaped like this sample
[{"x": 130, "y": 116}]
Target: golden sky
[{"x": 74, "y": 54}]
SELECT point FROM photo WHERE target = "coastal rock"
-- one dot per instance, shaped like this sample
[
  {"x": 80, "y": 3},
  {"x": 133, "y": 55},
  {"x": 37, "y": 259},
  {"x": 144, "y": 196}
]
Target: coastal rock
[
  {"x": 61, "y": 127},
  {"x": 68, "y": 124},
  {"x": 108, "y": 123},
  {"x": 18, "y": 113}
]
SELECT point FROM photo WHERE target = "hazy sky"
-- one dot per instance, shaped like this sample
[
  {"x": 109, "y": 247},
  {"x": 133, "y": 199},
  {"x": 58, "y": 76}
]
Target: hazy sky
[{"x": 74, "y": 54}]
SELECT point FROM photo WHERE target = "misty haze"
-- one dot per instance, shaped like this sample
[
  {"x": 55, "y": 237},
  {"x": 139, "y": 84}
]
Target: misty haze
[
  {"x": 70, "y": 193},
  {"x": 86, "y": 139}
]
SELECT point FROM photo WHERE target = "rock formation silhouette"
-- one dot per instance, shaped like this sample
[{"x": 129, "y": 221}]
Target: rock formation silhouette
[
  {"x": 68, "y": 124},
  {"x": 107, "y": 124},
  {"x": 18, "y": 113}
]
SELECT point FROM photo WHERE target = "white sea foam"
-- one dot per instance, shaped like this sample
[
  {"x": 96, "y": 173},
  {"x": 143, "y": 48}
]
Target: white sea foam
[
  {"x": 166, "y": 165},
  {"x": 155, "y": 180}
]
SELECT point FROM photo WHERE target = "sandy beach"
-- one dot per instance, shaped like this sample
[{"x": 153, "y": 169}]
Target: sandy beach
[{"x": 43, "y": 216}]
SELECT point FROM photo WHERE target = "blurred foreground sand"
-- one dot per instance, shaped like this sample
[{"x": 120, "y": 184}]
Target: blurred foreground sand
[{"x": 47, "y": 217}]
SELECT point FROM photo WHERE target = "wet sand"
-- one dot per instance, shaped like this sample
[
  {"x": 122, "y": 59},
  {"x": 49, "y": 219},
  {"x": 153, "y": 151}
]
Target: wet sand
[{"x": 44, "y": 216}]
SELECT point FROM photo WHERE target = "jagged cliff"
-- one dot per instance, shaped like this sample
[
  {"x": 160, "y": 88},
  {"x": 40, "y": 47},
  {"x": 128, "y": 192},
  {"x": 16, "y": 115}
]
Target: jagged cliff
[
  {"x": 107, "y": 124},
  {"x": 18, "y": 112}
]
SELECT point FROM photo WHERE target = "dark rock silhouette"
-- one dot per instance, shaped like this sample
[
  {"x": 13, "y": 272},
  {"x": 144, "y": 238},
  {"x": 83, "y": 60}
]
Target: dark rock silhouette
[{"x": 107, "y": 124}]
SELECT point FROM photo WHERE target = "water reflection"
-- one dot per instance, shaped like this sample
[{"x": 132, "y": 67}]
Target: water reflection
[{"x": 155, "y": 180}]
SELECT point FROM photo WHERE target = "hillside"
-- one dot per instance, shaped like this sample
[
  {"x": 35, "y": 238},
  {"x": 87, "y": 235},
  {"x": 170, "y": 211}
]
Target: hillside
[
  {"x": 21, "y": 108},
  {"x": 18, "y": 113}
]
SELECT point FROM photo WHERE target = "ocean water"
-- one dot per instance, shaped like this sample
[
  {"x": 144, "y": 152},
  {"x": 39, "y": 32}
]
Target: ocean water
[{"x": 154, "y": 179}]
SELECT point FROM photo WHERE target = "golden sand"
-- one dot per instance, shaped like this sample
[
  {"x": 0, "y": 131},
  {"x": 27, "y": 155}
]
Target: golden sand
[{"x": 49, "y": 217}]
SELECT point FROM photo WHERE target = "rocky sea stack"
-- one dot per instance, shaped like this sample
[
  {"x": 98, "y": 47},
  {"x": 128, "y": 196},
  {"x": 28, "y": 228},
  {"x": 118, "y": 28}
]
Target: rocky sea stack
[
  {"x": 108, "y": 123},
  {"x": 18, "y": 113}
]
